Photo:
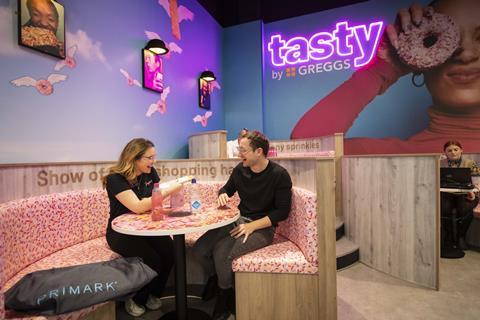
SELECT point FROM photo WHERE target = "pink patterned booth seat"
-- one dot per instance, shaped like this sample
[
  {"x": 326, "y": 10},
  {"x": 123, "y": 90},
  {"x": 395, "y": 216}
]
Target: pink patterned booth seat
[
  {"x": 294, "y": 249},
  {"x": 55, "y": 230}
]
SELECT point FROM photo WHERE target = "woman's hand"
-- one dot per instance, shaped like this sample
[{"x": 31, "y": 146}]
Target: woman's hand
[
  {"x": 470, "y": 196},
  {"x": 406, "y": 20},
  {"x": 222, "y": 199}
]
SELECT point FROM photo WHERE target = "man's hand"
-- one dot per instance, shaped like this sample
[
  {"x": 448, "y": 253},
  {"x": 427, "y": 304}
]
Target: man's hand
[
  {"x": 222, "y": 199},
  {"x": 243, "y": 229},
  {"x": 248, "y": 228}
]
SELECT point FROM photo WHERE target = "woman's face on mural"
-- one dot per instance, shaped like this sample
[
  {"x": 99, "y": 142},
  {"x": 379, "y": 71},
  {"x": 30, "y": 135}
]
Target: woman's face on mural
[
  {"x": 43, "y": 14},
  {"x": 151, "y": 61},
  {"x": 455, "y": 85}
]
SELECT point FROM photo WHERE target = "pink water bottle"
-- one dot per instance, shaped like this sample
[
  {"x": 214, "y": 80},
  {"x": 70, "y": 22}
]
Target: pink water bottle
[{"x": 157, "y": 204}]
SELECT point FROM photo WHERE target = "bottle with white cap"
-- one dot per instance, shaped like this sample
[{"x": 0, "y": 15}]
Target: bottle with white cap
[{"x": 195, "y": 199}]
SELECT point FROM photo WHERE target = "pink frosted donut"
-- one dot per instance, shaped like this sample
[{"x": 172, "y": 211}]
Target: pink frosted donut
[{"x": 430, "y": 44}]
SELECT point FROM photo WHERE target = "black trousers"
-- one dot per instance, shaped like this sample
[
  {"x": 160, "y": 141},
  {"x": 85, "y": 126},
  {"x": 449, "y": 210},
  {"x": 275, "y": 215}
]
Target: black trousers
[
  {"x": 464, "y": 214},
  {"x": 156, "y": 252}
]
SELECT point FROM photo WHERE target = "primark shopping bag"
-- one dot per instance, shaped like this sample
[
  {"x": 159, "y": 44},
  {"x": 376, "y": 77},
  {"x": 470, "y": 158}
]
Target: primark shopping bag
[{"x": 62, "y": 290}]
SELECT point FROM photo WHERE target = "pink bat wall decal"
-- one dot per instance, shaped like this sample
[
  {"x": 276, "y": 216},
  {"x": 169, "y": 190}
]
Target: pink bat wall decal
[
  {"x": 43, "y": 86},
  {"x": 69, "y": 60},
  {"x": 177, "y": 14},
  {"x": 203, "y": 119},
  {"x": 130, "y": 80},
  {"x": 160, "y": 105},
  {"x": 213, "y": 85}
]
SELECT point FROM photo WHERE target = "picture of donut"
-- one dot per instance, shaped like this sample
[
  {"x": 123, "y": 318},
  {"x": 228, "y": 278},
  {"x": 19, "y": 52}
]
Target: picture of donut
[{"x": 429, "y": 44}]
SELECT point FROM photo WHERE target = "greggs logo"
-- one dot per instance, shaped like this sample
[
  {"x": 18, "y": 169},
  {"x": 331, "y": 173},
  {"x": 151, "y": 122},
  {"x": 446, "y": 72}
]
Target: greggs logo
[{"x": 346, "y": 41}]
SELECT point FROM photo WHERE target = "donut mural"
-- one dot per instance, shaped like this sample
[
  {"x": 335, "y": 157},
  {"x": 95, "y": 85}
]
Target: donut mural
[{"x": 420, "y": 89}]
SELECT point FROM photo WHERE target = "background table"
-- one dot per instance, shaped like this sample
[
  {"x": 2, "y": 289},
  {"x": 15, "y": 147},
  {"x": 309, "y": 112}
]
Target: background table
[
  {"x": 454, "y": 190},
  {"x": 177, "y": 225}
]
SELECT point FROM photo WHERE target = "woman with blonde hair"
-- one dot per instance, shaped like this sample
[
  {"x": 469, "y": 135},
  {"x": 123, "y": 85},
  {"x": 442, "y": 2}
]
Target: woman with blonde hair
[{"x": 129, "y": 185}]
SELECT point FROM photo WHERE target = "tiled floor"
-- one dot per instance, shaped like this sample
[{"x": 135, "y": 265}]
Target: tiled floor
[{"x": 365, "y": 294}]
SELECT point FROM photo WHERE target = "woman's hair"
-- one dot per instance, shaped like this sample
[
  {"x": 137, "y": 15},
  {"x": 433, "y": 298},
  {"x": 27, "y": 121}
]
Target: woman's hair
[
  {"x": 452, "y": 143},
  {"x": 258, "y": 140},
  {"x": 125, "y": 165}
]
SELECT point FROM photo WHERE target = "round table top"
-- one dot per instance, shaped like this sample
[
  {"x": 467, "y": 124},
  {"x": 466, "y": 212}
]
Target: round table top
[{"x": 210, "y": 217}]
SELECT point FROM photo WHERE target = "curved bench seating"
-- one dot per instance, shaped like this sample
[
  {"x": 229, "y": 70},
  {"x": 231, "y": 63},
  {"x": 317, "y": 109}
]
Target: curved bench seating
[
  {"x": 55, "y": 230},
  {"x": 65, "y": 229},
  {"x": 294, "y": 249},
  {"x": 282, "y": 281},
  {"x": 295, "y": 245}
]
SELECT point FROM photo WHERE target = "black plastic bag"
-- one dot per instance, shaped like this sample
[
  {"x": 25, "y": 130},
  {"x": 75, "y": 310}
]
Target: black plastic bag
[{"x": 62, "y": 290}]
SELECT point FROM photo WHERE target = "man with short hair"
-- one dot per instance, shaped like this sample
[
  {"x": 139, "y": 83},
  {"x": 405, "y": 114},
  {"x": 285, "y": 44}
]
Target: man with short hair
[
  {"x": 232, "y": 145},
  {"x": 265, "y": 191}
]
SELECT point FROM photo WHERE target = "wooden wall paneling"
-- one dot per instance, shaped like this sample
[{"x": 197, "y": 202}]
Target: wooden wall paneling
[
  {"x": 474, "y": 156},
  {"x": 276, "y": 296},
  {"x": 304, "y": 147},
  {"x": 338, "y": 140},
  {"x": 391, "y": 210},
  {"x": 202, "y": 169},
  {"x": 208, "y": 145},
  {"x": 302, "y": 171},
  {"x": 105, "y": 312},
  {"x": 327, "y": 271},
  {"x": 26, "y": 180}
]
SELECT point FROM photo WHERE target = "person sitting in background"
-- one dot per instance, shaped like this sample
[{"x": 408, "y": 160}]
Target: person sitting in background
[
  {"x": 265, "y": 191},
  {"x": 232, "y": 145},
  {"x": 462, "y": 203},
  {"x": 129, "y": 185}
]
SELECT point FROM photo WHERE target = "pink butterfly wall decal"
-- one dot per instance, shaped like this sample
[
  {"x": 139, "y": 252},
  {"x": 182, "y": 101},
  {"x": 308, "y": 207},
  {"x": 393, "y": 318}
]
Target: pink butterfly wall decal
[
  {"x": 130, "y": 80},
  {"x": 69, "y": 61},
  {"x": 160, "y": 105},
  {"x": 172, "y": 46},
  {"x": 43, "y": 86},
  {"x": 177, "y": 14},
  {"x": 203, "y": 119},
  {"x": 213, "y": 85}
]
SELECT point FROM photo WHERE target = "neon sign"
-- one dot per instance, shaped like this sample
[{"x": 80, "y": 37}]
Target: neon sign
[{"x": 358, "y": 42}]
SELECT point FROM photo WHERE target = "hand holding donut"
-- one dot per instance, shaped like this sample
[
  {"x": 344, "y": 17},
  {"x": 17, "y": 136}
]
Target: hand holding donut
[
  {"x": 387, "y": 50},
  {"x": 420, "y": 39}
]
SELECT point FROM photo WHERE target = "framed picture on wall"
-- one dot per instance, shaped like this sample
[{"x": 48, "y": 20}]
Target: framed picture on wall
[
  {"x": 203, "y": 94},
  {"x": 152, "y": 71},
  {"x": 41, "y": 26}
]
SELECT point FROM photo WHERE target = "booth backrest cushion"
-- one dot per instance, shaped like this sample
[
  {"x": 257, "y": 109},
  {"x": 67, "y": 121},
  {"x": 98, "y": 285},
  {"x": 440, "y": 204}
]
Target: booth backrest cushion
[
  {"x": 32, "y": 228},
  {"x": 209, "y": 192},
  {"x": 301, "y": 225},
  {"x": 2, "y": 281},
  {"x": 95, "y": 213}
]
